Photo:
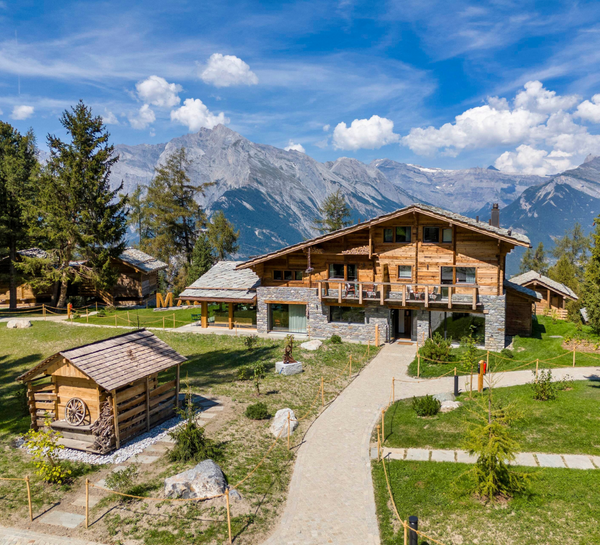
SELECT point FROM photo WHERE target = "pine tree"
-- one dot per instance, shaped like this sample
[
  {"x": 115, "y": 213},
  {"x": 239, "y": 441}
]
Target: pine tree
[
  {"x": 574, "y": 246},
  {"x": 565, "y": 272},
  {"x": 137, "y": 218},
  {"x": 591, "y": 288},
  {"x": 18, "y": 172},
  {"x": 202, "y": 258},
  {"x": 81, "y": 217},
  {"x": 534, "y": 261},
  {"x": 334, "y": 212},
  {"x": 222, "y": 236}
]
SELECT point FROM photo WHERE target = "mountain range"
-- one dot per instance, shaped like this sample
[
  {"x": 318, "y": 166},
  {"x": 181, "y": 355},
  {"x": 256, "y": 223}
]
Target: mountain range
[{"x": 272, "y": 195}]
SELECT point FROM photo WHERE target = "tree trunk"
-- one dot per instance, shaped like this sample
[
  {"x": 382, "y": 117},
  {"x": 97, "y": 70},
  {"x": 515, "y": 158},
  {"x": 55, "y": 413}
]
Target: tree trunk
[
  {"x": 55, "y": 289},
  {"x": 12, "y": 289},
  {"x": 62, "y": 300}
]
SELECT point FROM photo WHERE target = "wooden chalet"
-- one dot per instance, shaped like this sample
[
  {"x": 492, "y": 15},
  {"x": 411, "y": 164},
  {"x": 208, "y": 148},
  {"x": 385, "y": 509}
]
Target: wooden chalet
[
  {"x": 25, "y": 293},
  {"x": 115, "y": 380},
  {"x": 400, "y": 275}
]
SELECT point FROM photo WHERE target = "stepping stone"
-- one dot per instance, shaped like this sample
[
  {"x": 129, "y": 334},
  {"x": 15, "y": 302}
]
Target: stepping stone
[
  {"x": 116, "y": 469},
  {"x": 101, "y": 483},
  {"x": 524, "y": 459},
  {"x": 417, "y": 454},
  {"x": 596, "y": 461},
  {"x": 215, "y": 408},
  {"x": 463, "y": 457},
  {"x": 550, "y": 460},
  {"x": 578, "y": 461},
  {"x": 207, "y": 415},
  {"x": 62, "y": 518},
  {"x": 442, "y": 456},
  {"x": 167, "y": 439},
  {"x": 392, "y": 453},
  {"x": 158, "y": 448},
  {"x": 80, "y": 501},
  {"x": 146, "y": 458},
  {"x": 373, "y": 453}
]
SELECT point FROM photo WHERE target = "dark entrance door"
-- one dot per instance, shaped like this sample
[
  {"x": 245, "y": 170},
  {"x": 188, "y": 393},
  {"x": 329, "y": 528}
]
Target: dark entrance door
[{"x": 407, "y": 323}]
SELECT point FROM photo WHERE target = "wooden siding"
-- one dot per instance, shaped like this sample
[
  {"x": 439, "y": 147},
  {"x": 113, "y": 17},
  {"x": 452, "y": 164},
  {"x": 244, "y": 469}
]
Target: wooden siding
[{"x": 519, "y": 312}]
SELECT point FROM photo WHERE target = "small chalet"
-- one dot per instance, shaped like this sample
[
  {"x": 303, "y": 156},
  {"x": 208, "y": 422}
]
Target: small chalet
[
  {"x": 224, "y": 285},
  {"x": 554, "y": 295},
  {"x": 25, "y": 293},
  {"x": 104, "y": 393}
]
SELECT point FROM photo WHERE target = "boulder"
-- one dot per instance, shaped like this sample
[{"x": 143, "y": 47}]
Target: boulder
[
  {"x": 311, "y": 345},
  {"x": 445, "y": 396},
  {"x": 288, "y": 368},
  {"x": 203, "y": 480},
  {"x": 18, "y": 324},
  {"x": 280, "y": 422},
  {"x": 448, "y": 406}
]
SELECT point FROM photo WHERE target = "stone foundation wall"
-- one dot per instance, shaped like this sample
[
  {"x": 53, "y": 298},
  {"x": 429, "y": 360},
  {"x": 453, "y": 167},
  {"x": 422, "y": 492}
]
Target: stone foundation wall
[{"x": 495, "y": 321}]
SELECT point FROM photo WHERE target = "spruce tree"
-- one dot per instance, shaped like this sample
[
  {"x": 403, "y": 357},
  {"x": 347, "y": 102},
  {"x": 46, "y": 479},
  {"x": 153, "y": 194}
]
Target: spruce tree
[
  {"x": 534, "y": 261},
  {"x": 18, "y": 172},
  {"x": 591, "y": 288},
  {"x": 334, "y": 213},
  {"x": 202, "y": 258},
  {"x": 222, "y": 236},
  {"x": 80, "y": 215},
  {"x": 565, "y": 272},
  {"x": 137, "y": 215},
  {"x": 575, "y": 247}
]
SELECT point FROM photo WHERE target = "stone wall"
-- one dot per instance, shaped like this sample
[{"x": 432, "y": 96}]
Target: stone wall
[{"x": 495, "y": 321}]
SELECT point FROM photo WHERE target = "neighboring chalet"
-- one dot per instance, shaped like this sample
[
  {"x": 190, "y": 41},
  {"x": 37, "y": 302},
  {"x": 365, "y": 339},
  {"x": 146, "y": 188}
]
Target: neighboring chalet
[
  {"x": 25, "y": 293},
  {"x": 409, "y": 273},
  {"x": 554, "y": 295}
]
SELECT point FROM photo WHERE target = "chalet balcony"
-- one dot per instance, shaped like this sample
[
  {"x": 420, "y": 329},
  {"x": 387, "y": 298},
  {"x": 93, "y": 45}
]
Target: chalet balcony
[{"x": 400, "y": 293}]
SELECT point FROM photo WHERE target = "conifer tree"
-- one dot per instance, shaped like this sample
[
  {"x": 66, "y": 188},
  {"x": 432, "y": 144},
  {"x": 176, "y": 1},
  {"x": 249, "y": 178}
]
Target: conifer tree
[
  {"x": 565, "y": 272},
  {"x": 334, "y": 213},
  {"x": 575, "y": 247},
  {"x": 222, "y": 236},
  {"x": 534, "y": 261},
  {"x": 591, "y": 288},
  {"x": 202, "y": 258}
]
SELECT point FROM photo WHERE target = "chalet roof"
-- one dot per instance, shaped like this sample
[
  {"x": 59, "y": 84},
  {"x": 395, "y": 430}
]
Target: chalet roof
[
  {"x": 507, "y": 235},
  {"x": 118, "y": 361},
  {"x": 33, "y": 252},
  {"x": 522, "y": 289},
  {"x": 531, "y": 276},
  {"x": 141, "y": 260},
  {"x": 224, "y": 281}
]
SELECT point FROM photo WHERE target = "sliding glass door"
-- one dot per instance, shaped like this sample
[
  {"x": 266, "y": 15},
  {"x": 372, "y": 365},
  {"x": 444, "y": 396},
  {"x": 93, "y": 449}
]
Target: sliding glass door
[{"x": 290, "y": 318}]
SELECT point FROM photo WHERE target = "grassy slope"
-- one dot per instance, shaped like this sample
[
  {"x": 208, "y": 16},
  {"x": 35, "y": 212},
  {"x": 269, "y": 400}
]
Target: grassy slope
[{"x": 566, "y": 425}]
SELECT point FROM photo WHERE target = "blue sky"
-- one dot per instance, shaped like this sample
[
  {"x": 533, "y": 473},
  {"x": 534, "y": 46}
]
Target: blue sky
[{"x": 346, "y": 78}]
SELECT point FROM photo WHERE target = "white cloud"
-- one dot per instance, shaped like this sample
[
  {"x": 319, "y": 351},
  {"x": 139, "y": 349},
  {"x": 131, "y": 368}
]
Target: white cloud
[
  {"x": 322, "y": 143},
  {"x": 529, "y": 160},
  {"x": 326, "y": 127},
  {"x": 196, "y": 115},
  {"x": 108, "y": 118},
  {"x": 22, "y": 112},
  {"x": 365, "y": 133},
  {"x": 589, "y": 110},
  {"x": 295, "y": 147},
  {"x": 158, "y": 92},
  {"x": 144, "y": 117},
  {"x": 537, "y": 99},
  {"x": 227, "y": 71},
  {"x": 152, "y": 133}
]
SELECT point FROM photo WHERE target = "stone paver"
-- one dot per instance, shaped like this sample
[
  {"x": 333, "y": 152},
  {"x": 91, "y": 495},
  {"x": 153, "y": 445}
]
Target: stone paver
[
  {"x": 442, "y": 456},
  {"x": 80, "y": 501},
  {"x": 391, "y": 453},
  {"x": 550, "y": 460},
  {"x": 463, "y": 457},
  {"x": 207, "y": 415},
  {"x": 62, "y": 518},
  {"x": 417, "y": 454},
  {"x": 525, "y": 459},
  {"x": 578, "y": 461},
  {"x": 146, "y": 458},
  {"x": 596, "y": 461},
  {"x": 16, "y": 536}
]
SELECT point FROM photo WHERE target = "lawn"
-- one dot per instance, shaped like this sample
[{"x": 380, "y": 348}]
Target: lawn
[
  {"x": 210, "y": 371},
  {"x": 568, "y": 424},
  {"x": 545, "y": 344},
  {"x": 562, "y": 506}
]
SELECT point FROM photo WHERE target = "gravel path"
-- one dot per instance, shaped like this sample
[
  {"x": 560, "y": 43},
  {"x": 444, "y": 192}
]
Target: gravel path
[{"x": 331, "y": 496}]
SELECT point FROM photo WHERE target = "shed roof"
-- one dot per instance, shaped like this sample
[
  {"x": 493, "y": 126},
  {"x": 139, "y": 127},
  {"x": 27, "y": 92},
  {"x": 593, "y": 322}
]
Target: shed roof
[
  {"x": 141, "y": 260},
  {"x": 523, "y": 290},
  {"x": 118, "y": 361},
  {"x": 224, "y": 282},
  {"x": 531, "y": 276}
]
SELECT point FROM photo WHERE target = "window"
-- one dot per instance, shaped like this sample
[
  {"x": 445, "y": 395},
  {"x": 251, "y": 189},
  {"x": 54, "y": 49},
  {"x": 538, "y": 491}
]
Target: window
[
  {"x": 403, "y": 234},
  {"x": 336, "y": 270},
  {"x": 277, "y": 275},
  {"x": 465, "y": 275},
  {"x": 347, "y": 315},
  {"x": 404, "y": 272},
  {"x": 388, "y": 235},
  {"x": 447, "y": 275},
  {"x": 351, "y": 268},
  {"x": 287, "y": 275},
  {"x": 446, "y": 235},
  {"x": 431, "y": 234},
  {"x": 297, "y": 275}
]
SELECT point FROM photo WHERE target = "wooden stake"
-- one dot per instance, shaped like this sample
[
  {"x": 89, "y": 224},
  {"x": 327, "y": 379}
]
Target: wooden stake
[
  {"x": 455, "y": 371},
  {"x": 405, "y": 533},
  {"x": 537, "y": 367},
  {"x": 228, "y": 514},
  {"x": 376, "y": 334},
  {"x": 382, "y": 426},
  {"x": 322, "y": 391},
  {"x": 378, "y": 442},
  {"x": 418, "y": 365},
  {"x": 573, "y": 357},
  {"x": 44, "y": 311},
  {"x": 487, "y": 361},
  {"x": 87, "y": 315},
  {"x": 96, "y": 306},
  {"x": 29, "y": 498},
  {"x": 87, "y": 502}
]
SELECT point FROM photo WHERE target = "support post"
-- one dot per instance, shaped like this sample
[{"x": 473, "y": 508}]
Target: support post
[
  {"x": 322, "y": 391},
  {"x": 474, "y": 298},
  {"x": 455, "y": 383},
  {"x": 228, "y": 515},
  {"x": 378, "y": 442},
  {"x": 405, "y": 533},
  {"x": 418, "y": 364},
  {"x": 87, "y": 315},
  {"x": 44, "y": 311},
  {"x": 376, "y": 334},
  {"x": 426, "y": 296},
  {"x": 29, "y": 499},
  {"x": 177, "y": 385},
  {"x": 340, "y": 292},
  {"x": 87, "y": 503},
  {"x": 382, "y": 294},
  {"x": 480, "y": 377},
  {"x": 230, "y": 308},
  {"x": 537, "y": 368},
  {"x": 147, "y": 403},
  {"x": 449, "y": 296},
  {"x": 360, "y": 294},
  {"x": 116, "y": 419},
  {"x": 204, "y": 314},
  {"x": 487, "y": 361}
]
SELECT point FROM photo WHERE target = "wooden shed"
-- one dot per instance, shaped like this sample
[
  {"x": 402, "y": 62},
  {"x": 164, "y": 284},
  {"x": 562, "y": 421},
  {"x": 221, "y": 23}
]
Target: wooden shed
[
  {"x": 520, "y": 303},
  {"x": 104, "y": 393}
]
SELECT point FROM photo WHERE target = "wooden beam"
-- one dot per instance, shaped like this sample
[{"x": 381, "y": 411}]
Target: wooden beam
[
  {"x": 360, "y": 293},
  {"x": 177, "y": 385},
  {"x": 148, "y": 403},
  {"x": 474, "y": 298},
  {"x": 426, "y": 296},
  {"x": 340, "y": 292},
  {"x": 230, "y": 306},
  {"x": 450, "y": 297},
  {"x": 417, "y": 238},
  {"x": 404, "y": 295},
  {"x": 382, "y": 294},
  {"x": 116, "y": 418},
  {"x": 204, "y": 311},
  {"x": 370, "y": 243}
]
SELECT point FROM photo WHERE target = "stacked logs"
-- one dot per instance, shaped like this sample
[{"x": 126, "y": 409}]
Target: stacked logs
[{"x": 104, "y": 429}]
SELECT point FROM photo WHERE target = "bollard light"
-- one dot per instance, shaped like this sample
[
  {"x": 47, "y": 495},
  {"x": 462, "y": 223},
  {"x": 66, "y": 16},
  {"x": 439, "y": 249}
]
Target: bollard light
[
  {"x": 455, "y": 385},
  {"x": 413, "y": 527}
]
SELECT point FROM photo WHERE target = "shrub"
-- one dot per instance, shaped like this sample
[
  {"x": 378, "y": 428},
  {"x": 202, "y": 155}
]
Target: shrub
[
  {"x": 258, "y": 373},
  {"x": 251, "y": 341},
  {"x": 565, "y": 384},
  {"x": 257, "y": 411},
  {"x": 123, "y": 480},
  {"x": 543, "y": 388},
  {"x": 436, "y": 348},
  {"x": 506, "y": 353},
  {"x": 426, "y": 406},
  {"x": 43, "y": 446},
  {"x": 245, "y": 373},
  {"x": 335, "y": 339}
]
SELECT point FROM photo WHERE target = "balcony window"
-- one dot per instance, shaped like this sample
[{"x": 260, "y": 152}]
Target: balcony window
[
  {"x": 347, "y": 315},
  {"x": 403, "y": 234},
  {"x": 446, "y": 235},
  {"x": 447, "y": 275},
  {"x": 431, "y": 234},
  {"x": 351, "y": 268},
  {"x": 465, "y": 275},
  {"x": 277, "y": 275},
  {"x": 336, "y": 270},
  {"x": 404, "y": 272},
  {"x": 388, "y": 235},
  {"x": 297, "y": 275},
  {"x": 287, "y": 275}
]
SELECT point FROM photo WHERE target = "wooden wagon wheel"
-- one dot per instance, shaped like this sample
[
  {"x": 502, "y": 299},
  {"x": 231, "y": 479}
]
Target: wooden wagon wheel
[{"x": 75, "y": 411}]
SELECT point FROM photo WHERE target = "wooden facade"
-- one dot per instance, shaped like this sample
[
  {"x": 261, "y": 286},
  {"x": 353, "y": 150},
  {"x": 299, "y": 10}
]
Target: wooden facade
[{"x": 554, "y": 295}]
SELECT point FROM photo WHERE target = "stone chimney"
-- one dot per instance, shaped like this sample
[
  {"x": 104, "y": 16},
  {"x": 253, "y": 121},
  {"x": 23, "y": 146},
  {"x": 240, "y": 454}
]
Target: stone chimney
[{"x": 495, "y": 220}]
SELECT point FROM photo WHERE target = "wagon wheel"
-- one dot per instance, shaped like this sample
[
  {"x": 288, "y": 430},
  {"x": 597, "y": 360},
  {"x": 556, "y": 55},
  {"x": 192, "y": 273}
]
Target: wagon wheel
[{"x": 75, "y": 411}]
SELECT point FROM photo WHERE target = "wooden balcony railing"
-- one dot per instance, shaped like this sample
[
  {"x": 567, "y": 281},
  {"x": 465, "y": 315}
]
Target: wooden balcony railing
[{"x": 400, "y": 293}]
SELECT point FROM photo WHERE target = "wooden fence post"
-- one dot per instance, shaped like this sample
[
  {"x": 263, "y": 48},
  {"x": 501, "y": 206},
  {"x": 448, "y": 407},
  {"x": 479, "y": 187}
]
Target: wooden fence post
[
  {"x": 87, "y": 502},
  {"x": 87, "y": 315},
  {"x": 405, "y": 532},
  {"x": 573, "y": 357},
  {"x": 228, "y": 514},
  {"x": 537, "y": 367},
  {"x": 382, "y": 426},
  {"x": 44, "y": 311},
  {"x": 376, "y": 334},
  {"x": 173, "y": 320},
  {"x": 29, "y": 498},
  {"x": 418, "y": 364},
  {"x": 378, "y": 442}
]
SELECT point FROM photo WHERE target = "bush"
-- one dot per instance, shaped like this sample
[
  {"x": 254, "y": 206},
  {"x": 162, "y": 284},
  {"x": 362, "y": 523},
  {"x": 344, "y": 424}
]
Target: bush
[
  {"x": 123, "y": 480},
  {"x": 335, "y": 339},
  {"x": 257, "y": 411},
  {"x": 245, "y": 373},
  {"x": 506, "y": 353},
  {"x": 436, "y": 348},
  {"x": 565, "y": 384},
  {"x": 543, "y": 388},
  {"x": 43, "y": 446},
  {"x": 251, "y": 341},
  {"x": 426, "y": 406}
]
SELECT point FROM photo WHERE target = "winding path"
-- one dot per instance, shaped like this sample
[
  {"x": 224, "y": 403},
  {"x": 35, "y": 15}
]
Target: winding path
[{"x": 331, "y": 496}]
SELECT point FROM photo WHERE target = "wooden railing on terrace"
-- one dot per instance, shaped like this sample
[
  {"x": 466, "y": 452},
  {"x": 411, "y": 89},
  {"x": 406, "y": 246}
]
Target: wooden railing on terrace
[{"x": 399, "y": 293}]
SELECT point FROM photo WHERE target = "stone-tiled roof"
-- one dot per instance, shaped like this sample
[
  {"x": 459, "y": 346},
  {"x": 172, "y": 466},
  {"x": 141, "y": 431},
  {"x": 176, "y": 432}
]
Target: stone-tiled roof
[
  {"x": 521, "y": 289},
  {"x": 531, "y": 276},
  {"x": 142, "y": 261},
  {"x": 224, "y": 281},
  {"x": 33, "y": 252}
]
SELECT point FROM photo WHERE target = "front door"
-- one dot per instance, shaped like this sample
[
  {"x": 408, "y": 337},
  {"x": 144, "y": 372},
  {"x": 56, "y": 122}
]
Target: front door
[{"x": 407, "y": 323}]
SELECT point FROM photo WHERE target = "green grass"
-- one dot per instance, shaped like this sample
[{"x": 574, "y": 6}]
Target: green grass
[
  {"x": 526, "y": 349},
  {"x": 561, "y": 508},
  {"x": 566, "y": 425}
]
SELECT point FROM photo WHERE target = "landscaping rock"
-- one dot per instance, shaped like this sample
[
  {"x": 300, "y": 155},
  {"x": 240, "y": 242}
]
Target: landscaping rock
[
  {"x": 205, "y": 479},
  {"x": 446, "y": 396},
  {"x": 18, "y": 324},
  {"x": 280, "y": 422},
  {"x": 448, "y": 406},
  {"x": 288, "y": 368},
  {"x": 311, "y": 345}
]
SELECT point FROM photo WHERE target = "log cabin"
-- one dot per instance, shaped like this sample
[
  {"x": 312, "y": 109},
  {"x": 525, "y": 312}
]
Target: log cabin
[
  {"x": 116, "y": 379},
  {"x": 403, "y": 275}
]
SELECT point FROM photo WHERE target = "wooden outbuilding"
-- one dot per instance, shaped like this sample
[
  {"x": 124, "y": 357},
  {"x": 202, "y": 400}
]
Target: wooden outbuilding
[
  {"x": 105, "y": 393},
  {"x": 520, "y": 304}
]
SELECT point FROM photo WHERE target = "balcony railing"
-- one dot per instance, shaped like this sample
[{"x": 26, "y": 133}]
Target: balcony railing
[{"x": 400, "y": 293}]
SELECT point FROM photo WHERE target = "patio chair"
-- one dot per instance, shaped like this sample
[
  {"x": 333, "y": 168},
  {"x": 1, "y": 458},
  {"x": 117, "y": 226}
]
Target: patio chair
[
  {"x": 370, "y": 291},
  {"x": 410, "y": 294},
  {"x": 435, "y": 294}
]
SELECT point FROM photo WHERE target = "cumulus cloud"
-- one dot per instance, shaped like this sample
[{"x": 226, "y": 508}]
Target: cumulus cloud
[
  {"x": 365, "y": 133},
  {"x": 528, "y": 160},
  {"x": 537, "y": 99},
  {"x": 195, "y": 115},
  {"x": 227, "y": 71},
  {"x": 108, "y": 118},
  {"x": 142, "y": 118},
  {"x": 326, "y": 127},
  {"x": 158, "y": 92},
  {"x": 589, "y": 110},
  {"x": 22, "y": 112},
  {"x": 295, "y": 147}
]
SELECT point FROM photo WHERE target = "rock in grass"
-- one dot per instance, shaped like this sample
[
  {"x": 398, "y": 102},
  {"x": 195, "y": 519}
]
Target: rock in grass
[
  {"x": 448, "y": 406},
  {"x": 311, "y": 345},
  {"x": 280, "y": 423},
  {"x": 18, "y": 324},
  {"x": 445, "y": 396},
  {"x": 204, "y": 480}
]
